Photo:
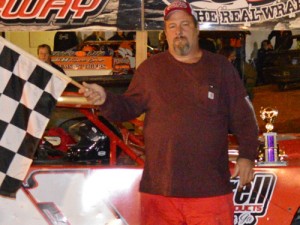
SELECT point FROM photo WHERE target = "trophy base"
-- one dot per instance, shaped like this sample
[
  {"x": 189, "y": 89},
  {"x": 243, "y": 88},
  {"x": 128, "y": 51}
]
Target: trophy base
[{"x": 279, "y": 163}]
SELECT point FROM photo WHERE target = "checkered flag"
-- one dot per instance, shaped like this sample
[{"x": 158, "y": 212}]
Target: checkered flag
[{"x": 29, "y": 89}]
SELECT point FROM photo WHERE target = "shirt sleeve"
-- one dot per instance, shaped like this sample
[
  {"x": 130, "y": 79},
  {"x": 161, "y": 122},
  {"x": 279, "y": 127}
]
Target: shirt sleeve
[
  {"x": 127, "y": 106},
  {"x": 242, "y": 118}
]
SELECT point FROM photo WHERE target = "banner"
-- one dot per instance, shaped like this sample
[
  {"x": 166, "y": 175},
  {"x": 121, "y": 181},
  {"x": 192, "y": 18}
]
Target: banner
[
  {"x": 37, "y": 15},
  {"x": 233, "y": 14},
  {"x": 34, "y": 15}
]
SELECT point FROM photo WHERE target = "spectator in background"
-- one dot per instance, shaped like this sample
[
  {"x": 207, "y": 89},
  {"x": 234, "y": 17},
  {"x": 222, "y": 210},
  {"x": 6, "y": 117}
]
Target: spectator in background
[
  {"x": 253, "y": 55},
  {"x": 283, "y": 39},
  {"x": 207, "y": 44},
  {"x": 44, "y": 53},
  {"x": 248, "y": 71},
  {"x": 163, "y": 44},
  {"x": 95, "y": 36},
  {"x": 229, "y": 52},
  {"x": 65, "y": 41},
  {"x": 118, "y": 36},
  {"x": 131, "y": 36},
  {"x": 265, "y": 47}
]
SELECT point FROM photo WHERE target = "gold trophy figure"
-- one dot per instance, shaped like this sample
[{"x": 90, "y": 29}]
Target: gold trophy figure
[{"x": 268, "y": 115}]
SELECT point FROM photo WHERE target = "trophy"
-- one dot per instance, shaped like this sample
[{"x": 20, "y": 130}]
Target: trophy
[{"x": 270, "y": 154}]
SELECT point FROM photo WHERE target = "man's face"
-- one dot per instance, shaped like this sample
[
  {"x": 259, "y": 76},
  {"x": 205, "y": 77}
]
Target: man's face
[
  {"x": 44, "y": 55},
  {"x": 265, "y": 45},
  {"x": 181, "y": 33}
]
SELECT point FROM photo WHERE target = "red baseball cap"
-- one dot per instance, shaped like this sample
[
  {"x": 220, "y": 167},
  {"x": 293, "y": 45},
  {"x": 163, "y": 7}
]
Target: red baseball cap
[{"x": 179, "y": 5}]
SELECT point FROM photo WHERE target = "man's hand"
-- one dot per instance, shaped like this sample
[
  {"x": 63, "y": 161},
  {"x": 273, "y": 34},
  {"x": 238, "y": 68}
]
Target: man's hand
[
  {"x": 244, "y": 168},
  {"x": 94, "y": 93}
]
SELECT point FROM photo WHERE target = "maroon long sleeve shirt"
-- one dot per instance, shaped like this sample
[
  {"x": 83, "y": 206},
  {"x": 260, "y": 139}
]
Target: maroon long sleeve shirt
[{"x": 190, "y": 108}]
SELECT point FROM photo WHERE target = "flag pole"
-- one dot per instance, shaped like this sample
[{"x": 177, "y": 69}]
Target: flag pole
[
  {"x": 75, "y": 83},
  {"x": 63, "y": 76}
]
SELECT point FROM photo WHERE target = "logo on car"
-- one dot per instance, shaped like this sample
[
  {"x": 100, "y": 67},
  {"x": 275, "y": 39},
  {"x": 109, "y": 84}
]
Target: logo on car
[{"x": 253, "y": 200}]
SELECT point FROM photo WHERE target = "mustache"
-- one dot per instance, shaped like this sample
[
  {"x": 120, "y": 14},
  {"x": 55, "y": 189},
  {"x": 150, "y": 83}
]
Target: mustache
[{"x": 180, "y": 37}]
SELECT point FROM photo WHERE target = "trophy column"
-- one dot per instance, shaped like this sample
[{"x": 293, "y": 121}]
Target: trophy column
[{"x": 271, "y": 150}]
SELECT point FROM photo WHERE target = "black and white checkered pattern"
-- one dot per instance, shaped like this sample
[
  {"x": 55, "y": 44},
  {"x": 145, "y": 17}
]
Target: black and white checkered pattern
[{"x": 29, "y": 90}]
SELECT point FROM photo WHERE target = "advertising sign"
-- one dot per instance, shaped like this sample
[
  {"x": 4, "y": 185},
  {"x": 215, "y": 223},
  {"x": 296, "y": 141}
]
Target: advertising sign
[
  {"x": 98, "y": 58},
  {"x": 88, "y": 62}
]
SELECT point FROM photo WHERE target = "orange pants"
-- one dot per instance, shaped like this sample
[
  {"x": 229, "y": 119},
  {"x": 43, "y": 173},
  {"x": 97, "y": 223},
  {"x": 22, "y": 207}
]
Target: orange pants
[{"x": 161, "y": 210}]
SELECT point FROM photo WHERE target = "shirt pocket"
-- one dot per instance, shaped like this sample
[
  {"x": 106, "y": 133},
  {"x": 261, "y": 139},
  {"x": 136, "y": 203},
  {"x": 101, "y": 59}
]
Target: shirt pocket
[{"x": 208, "y": 97}]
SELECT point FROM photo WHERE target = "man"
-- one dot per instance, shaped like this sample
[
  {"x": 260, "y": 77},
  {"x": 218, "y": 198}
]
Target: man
[
  {"x": 265, "y": 47},
  {"x": 229, "y": 52},
  {"x": 44, "y": 54},
  {"x": 191, "y": 98},
  {"x": 283, "y": 39},
  {"x": 65, "y": 41}
]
